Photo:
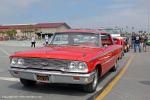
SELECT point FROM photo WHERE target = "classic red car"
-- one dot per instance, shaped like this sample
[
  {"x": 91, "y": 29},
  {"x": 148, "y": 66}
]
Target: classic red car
[
  {"x": 73, "y": 57},
  {"x": 122, "y": 41}
]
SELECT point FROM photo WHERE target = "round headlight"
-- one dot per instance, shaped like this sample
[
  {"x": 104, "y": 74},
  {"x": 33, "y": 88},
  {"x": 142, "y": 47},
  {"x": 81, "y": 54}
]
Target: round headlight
[
  {"x": 72, "y": 65},
  {"x": 20, "y": 61},
  {"x": 14, "y": 61},
  {"x": 82, "y": 66},
  {"x": 77, "y": 66}
]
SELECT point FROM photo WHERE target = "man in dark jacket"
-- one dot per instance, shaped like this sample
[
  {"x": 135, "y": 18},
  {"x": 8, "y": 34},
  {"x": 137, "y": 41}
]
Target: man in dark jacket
[
  {"x": 137, "y": 40},
  {"x": 132, "y": 40}
]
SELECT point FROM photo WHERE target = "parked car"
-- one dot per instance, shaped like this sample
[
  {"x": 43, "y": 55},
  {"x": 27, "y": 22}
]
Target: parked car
[
  {"x": 127, "y": 44},
  {"x": 148, "y": 42},
  {"x": 73, "y": 57},
  {"x": 122, "y": 41},
  {"x": 115, "y": 32},
  {"x": 5, "y": 38},
  {"x": 1, "y": 38}
]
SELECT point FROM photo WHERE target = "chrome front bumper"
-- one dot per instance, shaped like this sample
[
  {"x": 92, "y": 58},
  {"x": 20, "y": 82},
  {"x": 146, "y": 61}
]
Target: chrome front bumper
[{"x": 54, "y": 76}]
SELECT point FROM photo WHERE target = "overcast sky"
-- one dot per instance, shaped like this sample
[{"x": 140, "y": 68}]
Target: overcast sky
[{"x": 78, "y": 13}]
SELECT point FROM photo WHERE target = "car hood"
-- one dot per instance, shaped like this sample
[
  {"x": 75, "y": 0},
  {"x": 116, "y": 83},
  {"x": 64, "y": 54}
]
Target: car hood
[{"x": 60, "y": 52}]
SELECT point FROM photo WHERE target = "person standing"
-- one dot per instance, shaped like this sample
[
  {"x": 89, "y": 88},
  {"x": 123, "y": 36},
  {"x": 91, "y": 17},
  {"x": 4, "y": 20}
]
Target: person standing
[
  {"x": 46, "y": 39},
  {"x": 132, "y": 40},
  {"x": 33, "y": 41},
  {"x": 137, "y": 40}
]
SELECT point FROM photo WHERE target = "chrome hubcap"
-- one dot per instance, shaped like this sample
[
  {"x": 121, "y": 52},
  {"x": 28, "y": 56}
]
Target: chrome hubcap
[{"x": 95, "y": 80}]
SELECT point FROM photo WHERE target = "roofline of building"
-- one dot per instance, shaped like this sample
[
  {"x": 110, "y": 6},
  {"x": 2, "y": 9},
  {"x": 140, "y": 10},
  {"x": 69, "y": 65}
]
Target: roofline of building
[{"x": 37, "y": 25}]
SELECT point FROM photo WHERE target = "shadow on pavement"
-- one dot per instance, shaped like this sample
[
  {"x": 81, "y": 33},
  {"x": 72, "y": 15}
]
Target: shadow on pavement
[
  {"x": 63, "y": 89},
  {"x": 145, "y": 82}
]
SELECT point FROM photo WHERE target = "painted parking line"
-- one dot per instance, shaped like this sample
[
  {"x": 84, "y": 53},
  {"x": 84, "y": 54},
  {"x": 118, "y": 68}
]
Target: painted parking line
[
  {"x": 4, "y": 51},
  {"x": 115, "y": 80},
  {"x": 9, "y": 79}
]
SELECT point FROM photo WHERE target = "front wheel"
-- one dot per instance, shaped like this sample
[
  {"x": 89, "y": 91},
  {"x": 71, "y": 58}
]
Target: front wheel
[
  {"x": 91, "y": 87},
  {"x": 27, "y": 83}
]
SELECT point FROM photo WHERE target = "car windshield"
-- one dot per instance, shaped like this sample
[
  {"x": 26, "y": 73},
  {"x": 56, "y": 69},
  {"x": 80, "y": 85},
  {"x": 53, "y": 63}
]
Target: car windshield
[{"x": 76, "y": 39}]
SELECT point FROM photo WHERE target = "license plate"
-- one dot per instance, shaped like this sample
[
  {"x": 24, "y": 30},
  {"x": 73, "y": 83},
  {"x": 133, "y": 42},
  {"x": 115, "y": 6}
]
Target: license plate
[{"x": 43, "y": 78}]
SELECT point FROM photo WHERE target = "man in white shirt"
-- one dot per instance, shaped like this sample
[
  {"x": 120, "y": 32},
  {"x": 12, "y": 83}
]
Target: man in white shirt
[
  {"x": 33, "y": 42},
  {"x": 46, "y": 39}
]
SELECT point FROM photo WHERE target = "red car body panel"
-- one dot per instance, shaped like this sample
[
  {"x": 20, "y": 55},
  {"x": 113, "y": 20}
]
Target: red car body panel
[
  {"x": 104, "y": 57},
  {"x": 119, "y": 40}
]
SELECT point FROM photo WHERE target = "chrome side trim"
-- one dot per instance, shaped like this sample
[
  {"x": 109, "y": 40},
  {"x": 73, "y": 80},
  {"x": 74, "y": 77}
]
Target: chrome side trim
[{"x": 103, "y": 54}]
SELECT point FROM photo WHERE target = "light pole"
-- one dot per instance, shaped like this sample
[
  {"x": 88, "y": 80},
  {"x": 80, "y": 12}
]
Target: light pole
[{"x": 148, "y": 22}]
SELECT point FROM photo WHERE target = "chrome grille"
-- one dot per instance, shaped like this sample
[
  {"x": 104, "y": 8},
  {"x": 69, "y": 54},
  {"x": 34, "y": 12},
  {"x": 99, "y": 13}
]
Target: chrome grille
[{"x": 45, "y": 63}]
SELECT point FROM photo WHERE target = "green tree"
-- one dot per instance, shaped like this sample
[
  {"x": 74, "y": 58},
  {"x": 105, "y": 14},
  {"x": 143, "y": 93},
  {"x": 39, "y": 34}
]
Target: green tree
[
  {"x": 11, "y": 33},
  {"x": 14, "y": 32},
  {"x": 2, "y": 33}
]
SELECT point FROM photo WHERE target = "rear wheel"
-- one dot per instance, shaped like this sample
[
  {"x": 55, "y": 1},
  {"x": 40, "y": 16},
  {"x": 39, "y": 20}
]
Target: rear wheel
[
  {"x": 27, "y": 83},
  {"x": 91, "y": 87}
]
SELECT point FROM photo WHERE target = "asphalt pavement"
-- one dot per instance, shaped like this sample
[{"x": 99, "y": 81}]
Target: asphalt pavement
[{"x": 134, "y": 85}]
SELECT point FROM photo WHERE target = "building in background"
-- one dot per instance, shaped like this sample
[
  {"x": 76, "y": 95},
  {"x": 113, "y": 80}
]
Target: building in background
[{"x": 40, "y": 29}]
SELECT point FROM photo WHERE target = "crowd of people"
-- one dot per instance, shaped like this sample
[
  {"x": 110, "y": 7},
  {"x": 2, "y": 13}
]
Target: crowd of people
[{"x": 138, "y": 41}]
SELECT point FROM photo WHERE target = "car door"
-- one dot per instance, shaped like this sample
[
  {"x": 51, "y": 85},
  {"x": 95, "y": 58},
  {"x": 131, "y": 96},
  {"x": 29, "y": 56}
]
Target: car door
[{"x": 108, "y": 57}]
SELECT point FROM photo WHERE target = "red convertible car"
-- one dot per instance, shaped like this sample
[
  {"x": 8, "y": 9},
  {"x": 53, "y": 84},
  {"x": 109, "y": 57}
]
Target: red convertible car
[{"x": 73, "y": 57}]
